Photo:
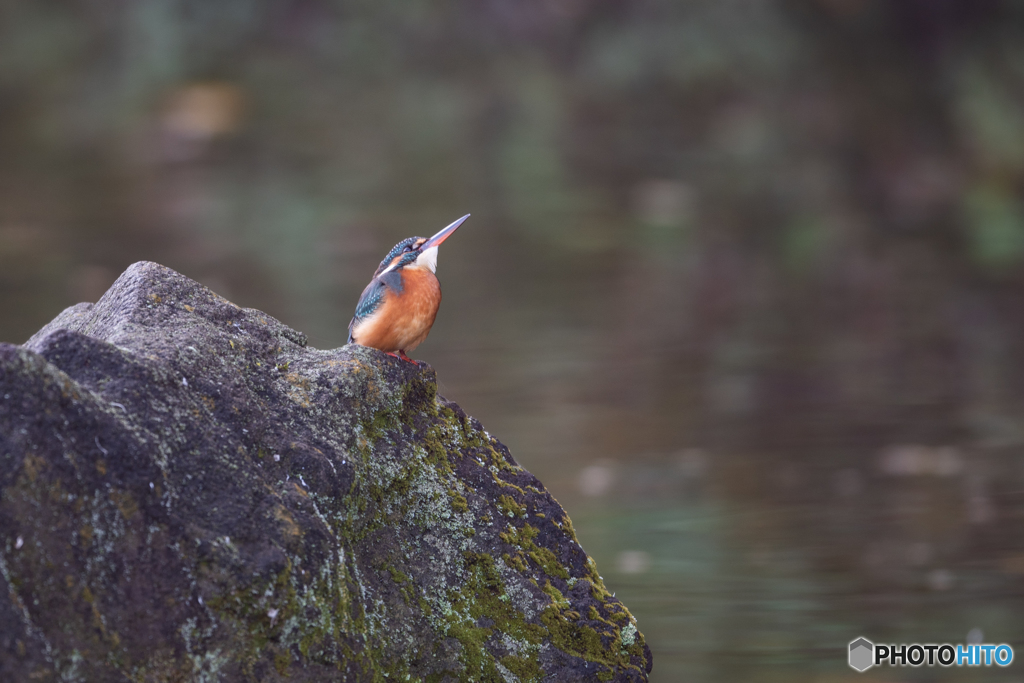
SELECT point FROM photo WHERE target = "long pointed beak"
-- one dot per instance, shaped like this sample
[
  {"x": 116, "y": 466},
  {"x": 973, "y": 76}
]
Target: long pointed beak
[{"x": 444, "y": 234}]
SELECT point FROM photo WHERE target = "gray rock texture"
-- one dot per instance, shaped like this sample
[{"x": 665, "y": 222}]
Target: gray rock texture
[{"x": 188, "y": 492}]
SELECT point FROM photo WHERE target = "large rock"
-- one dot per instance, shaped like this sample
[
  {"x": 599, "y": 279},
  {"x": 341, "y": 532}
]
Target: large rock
[{"x": 191, "y": 493}]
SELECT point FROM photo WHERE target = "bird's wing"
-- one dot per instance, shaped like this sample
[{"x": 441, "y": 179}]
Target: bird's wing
[{"x": 372, "y": 298}]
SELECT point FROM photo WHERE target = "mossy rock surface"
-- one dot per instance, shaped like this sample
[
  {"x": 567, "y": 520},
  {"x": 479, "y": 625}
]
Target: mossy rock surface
[{"x": 188, "y": 492}]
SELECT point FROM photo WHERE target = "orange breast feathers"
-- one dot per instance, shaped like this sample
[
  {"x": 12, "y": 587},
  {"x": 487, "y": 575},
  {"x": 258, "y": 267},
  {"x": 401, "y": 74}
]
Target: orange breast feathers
[{"x": 404, "y": 319}]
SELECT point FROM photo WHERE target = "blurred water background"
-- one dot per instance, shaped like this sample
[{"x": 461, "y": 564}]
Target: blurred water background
[{"x": 743, "y": 283}]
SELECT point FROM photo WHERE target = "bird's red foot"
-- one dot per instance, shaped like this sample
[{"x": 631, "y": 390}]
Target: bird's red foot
[{"x": 401, "y": 354}]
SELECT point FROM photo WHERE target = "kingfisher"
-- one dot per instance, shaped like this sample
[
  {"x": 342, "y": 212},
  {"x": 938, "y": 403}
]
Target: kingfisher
[{"x": 397, "y": 309}]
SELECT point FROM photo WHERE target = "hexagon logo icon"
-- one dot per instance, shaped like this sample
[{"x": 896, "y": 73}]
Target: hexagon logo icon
[{"x": 862, "y": 654}]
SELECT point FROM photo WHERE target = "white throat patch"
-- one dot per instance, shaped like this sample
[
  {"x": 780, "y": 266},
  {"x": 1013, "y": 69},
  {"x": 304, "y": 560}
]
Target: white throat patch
[{"x": 428, "y": 259}]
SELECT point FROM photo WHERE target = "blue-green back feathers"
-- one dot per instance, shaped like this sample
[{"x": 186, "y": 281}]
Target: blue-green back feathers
[{"x": 373, "y": 297}]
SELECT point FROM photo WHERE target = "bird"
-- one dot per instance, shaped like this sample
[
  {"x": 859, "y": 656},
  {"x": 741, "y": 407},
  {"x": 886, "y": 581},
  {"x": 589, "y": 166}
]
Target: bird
[{"x": 397, "y": 309}]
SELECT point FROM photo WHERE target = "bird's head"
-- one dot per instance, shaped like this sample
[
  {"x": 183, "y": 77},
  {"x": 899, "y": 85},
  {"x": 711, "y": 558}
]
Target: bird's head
[{"x": 417, "y": 252}]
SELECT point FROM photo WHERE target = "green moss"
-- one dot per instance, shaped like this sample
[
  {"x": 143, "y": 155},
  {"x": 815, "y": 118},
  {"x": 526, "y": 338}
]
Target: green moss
[
  {"x": 517, "y": 561},
  {"x": 543, "y": 557},
  {"x": 594, "y": 639},
  {"x": 437, "y": 446},
  {"x": 526, "y": 670},
  {"x": 614, "y": 619},
  {"x": 281, "y": 661},
  {"x": 397, "y": 575},
  {"x": 556, "y": 596},
  {"x": 566, "y": 525},
  {"x": 571, "y": 636},
  {"x": 377, "y": 423},
  {"x": 479, "y": 599},
  {"x": 597, "y": 588},
  {"x": 510, "y": 507},
  {"x": 548, "y": 562},
  {"x": 507, "y": 484},
  {"x": 405, "y": 585},
  {"x": 246, "y": 613},
  {"x": 459, "y": 503},
  {"x": 576, "y": 637}
]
